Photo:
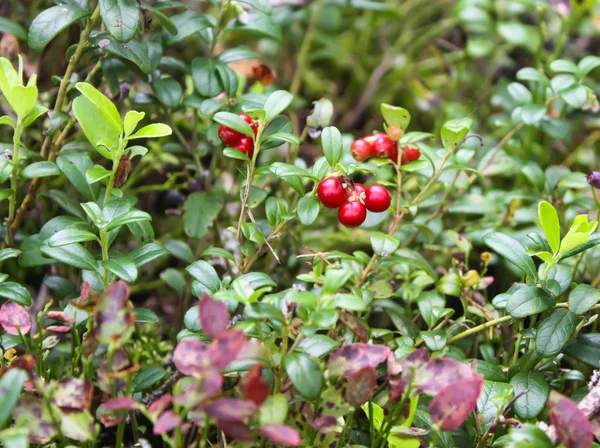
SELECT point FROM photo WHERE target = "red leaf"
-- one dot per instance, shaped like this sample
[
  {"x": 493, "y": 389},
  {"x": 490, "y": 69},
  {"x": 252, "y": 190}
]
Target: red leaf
[
  {"x": 439, "y": 373},
  {"x": 351, "y": 358},
  {"x": 59, "y": 329},
  {"x": 168, "y": 421},
  {"x": 190, "y": 357},
  {"x": 113, "y": 317},
  {"x": 159, "y": 405},
  {"x": 73, "y": 393},
  {"x": 225, "y": 349},
  {"x": 60, "y": 316},
  {"x": 254, "y": 386},
  {"x": 231, "y": 409},
  {"x": 197, "y": 394},
  {"x": 326, "y": 424},
  {"x": 280, "y": 434},
  {"x": 121, "y": 404},
  {"x": 13, "y": 318},
  {"x": 354, "y": 325},
  {"x": 361, "y": 386},
  {"x": 396, "y": 385},
  {"x": 573, "y": 428},
  {"x": 84, "y": 292},
  {"x": 214, "y": 316},
  {"x": 453, "y": 404},
  {"x": 235, "y": 430}
]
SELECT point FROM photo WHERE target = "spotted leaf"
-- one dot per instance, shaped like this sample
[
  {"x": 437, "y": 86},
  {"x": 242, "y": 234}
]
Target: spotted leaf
[
  {"x": 214, "y": 316},
  {"x": 573, "y": 428},
  {"x": 351, "y": 358},
  {"x": 14, "y": 318},
  {"x": 453, "y": 404},
  {"x": 113, "y": 317}
]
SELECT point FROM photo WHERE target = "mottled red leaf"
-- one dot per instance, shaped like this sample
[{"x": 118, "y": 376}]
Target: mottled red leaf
[
  {"x": 190, "y": 357},
  {"x": 108, "y": 419},
  {"x": 396, "y": 385},
  {"x": 199, "y": 392},
  {"x": 168, "y": 421},
  {"x": 61, "y": 329},
  {"x": 225, "y": 348},
  {"x": 73, "y": 393},
  {"x": 280, "y": 434},
  {"x": 214, "y": 316},
  {"x": 121, "y": 404},
  {"x": 231, "y": 409},
  {"x": 159, "y": 405},
  {"x": 326, "y": 424},
  {"x": 77, "y": 425},
  {"x": 60, "y": 316},
  {"x": 120, "y": 363},
  {"x": 361, "y": 386},
  {"x": 25, "y": 362},
  {"x": 354, "y": 325},
  {"x": 573, "y": 428},
  {"x": 36, "y": 417},
  {"x": 453, "y": 404},
  {"x": 13, "y": 318},
  {"x": 84, "y": 292},
  {"x": 351, "y": 358},
  {"x": 113, "y": 316},
  {"x": 235, "y": 430},
  {"x": 254, "y": 386},
  {"x": 252, "y": 349},
  {"x": 436, "y": 374}
]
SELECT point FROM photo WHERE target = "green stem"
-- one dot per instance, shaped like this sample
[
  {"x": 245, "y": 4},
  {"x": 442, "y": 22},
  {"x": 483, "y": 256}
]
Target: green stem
[
  {"x": 14, "y": 177},
  {"x": 104, "y": 246}
]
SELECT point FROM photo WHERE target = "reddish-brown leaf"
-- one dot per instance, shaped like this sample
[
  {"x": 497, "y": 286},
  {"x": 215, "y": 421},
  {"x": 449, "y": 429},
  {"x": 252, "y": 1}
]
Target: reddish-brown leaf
[
  {"x": 254, "y": 386},
  {"x": 14, "y": 318},
  {"x": 199, "y": 392},
  {"x": 235, "y": 430},
  {"x": 120, "y": 363},
  {"x": 168, "y": 421},
  {"x": 113, "y": 316},
  {"x": 436, "y": 374},
  {"x": 37, "y": 418},
  {"x": 326, "y": 424},
  {"x": 351, "y": 358},
  {"x": 73, "y": 393},
  {"x": 121, "y": 404},
  {"x": 214, "y": 316},
  {"x": 60, "y": 316},
  {"x": 361, "y": 386},
  {"x": 573, "y": 428},
  {"x": 84, "y": 292},
  {"x": 354, "y": 325},
  {"x": 280, "y": 434},
  {"x": 61, "y": 329},
  {"x": 159, "y": 405},
  {"x": 225, "y": 349},
  {"x": 231, "y": 409},
  {"x": 190, "y": 357},
  {"x": 396, "y": 385},
  {"x": 453, "y": 404}
]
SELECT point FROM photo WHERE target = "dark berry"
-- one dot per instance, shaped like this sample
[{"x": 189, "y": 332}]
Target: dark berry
[
  {"x": 377, "y": 198},
  {"x": 594, "y": 179},
  {"x": 410, "y": 154},
  {"x": 361, "y": 149},
  {"x": 331, "y": 192},
  {"x": 228, "y": 136},
  {"x": 245, "y": 145},
  {"x": 352, "y": 213}
]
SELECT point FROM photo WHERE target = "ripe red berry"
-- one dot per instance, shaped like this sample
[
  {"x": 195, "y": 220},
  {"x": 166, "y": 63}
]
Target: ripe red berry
[
  {"x": 331, "y": 192},
  {"x": 245, "y": 145},
  {"x": 228, "y": 136},
  {"x": 371, "y": 138},
  {"x": 359, "y": 189},
  {"x": 361, "y": 149},
  {"x": 352, "y": 213},
  {"x": 377, "y": 198},
  {"x": 384, "y": 147},
  {"x": 248, "y": 119},
  {"x": 410, "y": 154}
]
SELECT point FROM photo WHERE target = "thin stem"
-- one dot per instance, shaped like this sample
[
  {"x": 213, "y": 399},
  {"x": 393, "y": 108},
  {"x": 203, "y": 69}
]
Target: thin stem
[
  {"x": 305, "y": 48},
  {"x": 14, "y": 177},
  {"x": 104, "y": 246},
  {"x": 479, "y": 328}
]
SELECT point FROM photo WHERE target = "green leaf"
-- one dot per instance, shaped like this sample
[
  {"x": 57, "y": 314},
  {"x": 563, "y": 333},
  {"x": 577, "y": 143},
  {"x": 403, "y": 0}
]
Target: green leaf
[
  {"x": 154, "y": 130},
  {"x": 5, "y": 254},
  {"x": 73, "y": 255},
  {"x": 261, "y": 311},
  {"x": 133, "y": 215},
  {"x": 584, "y": 348},
  {"x": 147, "y": 253},
  {"x": 134, "y": 51},
  {"x": 572, "y": 241},
  {"x": 308, "y": 209},
  {"x": 74, "y": 166},
  {"x": 276, "y": 103},
  {"x": 535, "y": 390},
  {"x": 106, "y": 107},
  {"x": 95, "y": 127},
  {"x": 549, "y": 220},
  {"x": 583, "y": 298},
  {"x": 201, "y": 209},
  {"x": 395, "y": 116},
  {"x": 586, "y": 65},
  {"x": 23, "y": 100},
  {"x": 11, "y": 27},
  {"x": 519, "y": 34},
  {"x": 384, "y": 245},
  {"x": 575, "y": 96},
  {"x": 148, "y": 377},
  {"x": 132, "y": 119},
  {"x": 96, "y": 174},
  {"x": 6, "y": 120},
  {"x": 206, "y": 79},
  {"x": 519, "y": 93},
  {"x": 274, "y": 410},
  {"x": 15, "y": 293},
  {"x": 205, "y": 274},
  {"x": 555, "y": 332},
  {"x": 122, "y": 267},
  {"x": 52, "y": 21},
  {"x": 563, "y": 66},
  {"x": 238, "y": 54},
  {"x": 304, "y": 373},
  {"x": 93, "y": 212},
  {"x": 331, "y": 140},
  {"x": 145, "y": 316},
  {"x": 11, "y": 385},
  {"x": 283, "y": 170},
  {"x": 531, "y": 74},
  {"x": 36, "y": 113},
  {"x": 120, "y": 17},
  {"x": 318, "y": 345},
  {"x": 186, "y": 24},
  {"x": 494, "y": 395},
  {"x": 529, "y": 300},
  {"x": 454, "y": 131},
  {"x": 70, "y": 236},
  {"x": 40, "y": 169},
  {"x": 168, "y": 91},
  {"x": 234, "y": 122},
  {"x": 434, "y": 340},
  {"x": 512, "y": 250}
]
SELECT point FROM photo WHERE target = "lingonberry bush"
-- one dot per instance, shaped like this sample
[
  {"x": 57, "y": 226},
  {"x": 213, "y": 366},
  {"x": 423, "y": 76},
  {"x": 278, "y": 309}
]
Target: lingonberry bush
[{"x": 299, "y": 223}]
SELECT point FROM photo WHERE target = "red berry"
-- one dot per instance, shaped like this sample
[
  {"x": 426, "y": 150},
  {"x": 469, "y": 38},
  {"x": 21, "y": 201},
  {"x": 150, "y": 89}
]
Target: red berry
[
  {"x": 229, "y": 136},
  {"x": 331, "y": 192},
  {"x": 384, "y": 147},
  {"x": 410, "y": 154},
  {"x": 361, "y": 149},
  {"x": 371, "y": 138},
  {"x": 395, "y": 133},
  {"x": 248, "y": 119},
  {"x": 245, "y": 145},
  {"x": 359, "y": 189},
  {"x": 377, "y": 198},
  {"x": 352, "y": 213}
]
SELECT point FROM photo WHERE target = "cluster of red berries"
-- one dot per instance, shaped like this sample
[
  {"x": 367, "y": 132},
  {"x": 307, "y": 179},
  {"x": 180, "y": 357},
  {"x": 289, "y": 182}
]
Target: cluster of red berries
[
  {"x": 381, "y": 145},
  {"x": 353, "y": 200},
  {"x": 237, "y": 140}
]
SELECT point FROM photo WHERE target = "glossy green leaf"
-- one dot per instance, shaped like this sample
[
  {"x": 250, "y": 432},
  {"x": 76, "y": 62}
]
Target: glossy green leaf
[
  {"x": 331, "y": 140},
  {"x": 15, "y": 293},
  {"x": 40, "y": 169},
  {"x": 132, "y": 119},
  {"x": 145, "y": 316},
  {"x": 52, "y": 21},
  {"x": 103, "y": 136},
  {"x": 529, "y": 300},
  {"x": 584, "y": 348},
  {"x": 148, "y": 377},
  {"x": 512, "y": 250},
  {"x": 454, "y": 131},
  {"x": 106, "y": 107},
  {"x": 147, "y": 253},
  {"x": 383, "y": 244},
  {"x": 154, "y": 130},
  {"x": 120, "y": 17},
  {"x": 491, "y": 398},
  {"x": 555, "y": 332},
  {"x": 5, "y": 254},
  {"x": 11, "y": 385},
  {"x": 206, "y": 275},
  {"x": 70, "y": 236},
  {"x": 395, "y": 116},
  {"x": 201, "y": 209},
  {"x": 12, "y": 27},
  {"x": 583, "y": 298},
  {"x": 304, "y": 373},
  {"x": 131, "y": 216},
  {"x": 535, "y": 390},
  {"x": 276, "y": 103},
  {"x": 234, "y": 122},
  {"x": 73, "y": 255},
  {"x": 308, "y": 210},
  {"x": 550, "y": 223},
  {"x": 133, "y": 51}
]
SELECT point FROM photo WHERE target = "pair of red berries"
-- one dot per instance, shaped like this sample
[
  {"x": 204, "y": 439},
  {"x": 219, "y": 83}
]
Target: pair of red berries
[
  {"x": 380, "y": 145},
  {"x": 237, "y": 140},
  {"x": 353, "y": 200}
]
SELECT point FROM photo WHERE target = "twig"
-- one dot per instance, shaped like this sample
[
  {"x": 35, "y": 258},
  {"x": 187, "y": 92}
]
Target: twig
[{"x": 266, "y": 241}]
